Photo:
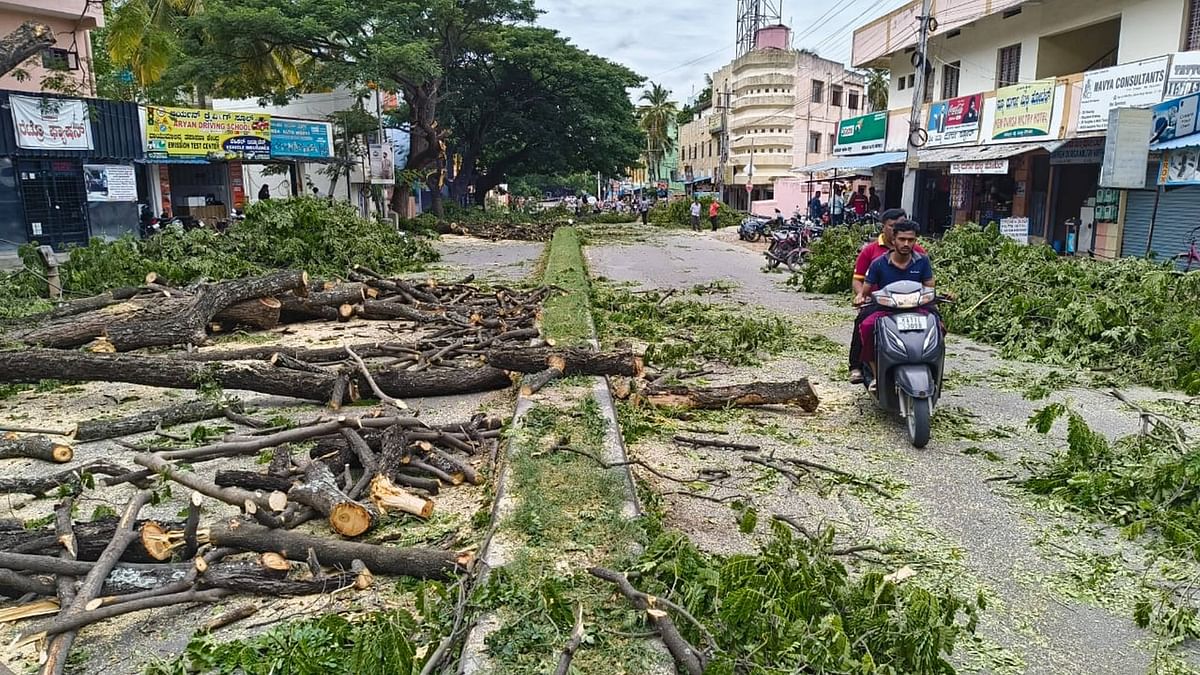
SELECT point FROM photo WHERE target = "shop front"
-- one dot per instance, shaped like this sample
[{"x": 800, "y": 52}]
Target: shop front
[
  {"x": 66, "y": 170},
  {"x": 196, "y": 156}
]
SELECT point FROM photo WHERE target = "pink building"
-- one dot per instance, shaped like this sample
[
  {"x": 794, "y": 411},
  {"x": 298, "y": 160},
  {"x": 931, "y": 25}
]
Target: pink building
[{"x": 72, "y": 22}]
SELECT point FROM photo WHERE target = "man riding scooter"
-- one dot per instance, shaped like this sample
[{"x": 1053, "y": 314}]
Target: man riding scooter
[{"x": 870, "y": 252}]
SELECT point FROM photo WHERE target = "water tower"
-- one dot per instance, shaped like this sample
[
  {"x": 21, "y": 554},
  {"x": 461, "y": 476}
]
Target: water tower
[{"x": 752, "y": 16}]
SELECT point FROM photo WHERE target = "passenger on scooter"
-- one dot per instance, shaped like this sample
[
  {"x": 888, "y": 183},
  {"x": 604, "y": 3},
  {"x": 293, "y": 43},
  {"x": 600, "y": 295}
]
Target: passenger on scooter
[
  {"x": 870, "y": 253},
  {"x": 904, "y": 262}
]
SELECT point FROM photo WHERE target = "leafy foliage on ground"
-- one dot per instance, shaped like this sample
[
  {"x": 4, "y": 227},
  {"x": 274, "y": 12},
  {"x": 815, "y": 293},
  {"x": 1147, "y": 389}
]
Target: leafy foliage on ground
[
  {"x": 830, "y": 264},
  {"x": 318, "y": 236},
  {"x": 689, "y": 332},
  {"x": 793, "y": 607},
  {"x": 384, "y": 642},
  {"x": 1137, "y": 318},
  {"x": 678, "y": 213},
  {"x": 565, "y": 315}
]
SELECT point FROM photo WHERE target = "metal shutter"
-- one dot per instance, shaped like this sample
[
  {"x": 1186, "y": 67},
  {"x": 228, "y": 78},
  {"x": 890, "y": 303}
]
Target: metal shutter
[{"x": 1177, "y": 211}]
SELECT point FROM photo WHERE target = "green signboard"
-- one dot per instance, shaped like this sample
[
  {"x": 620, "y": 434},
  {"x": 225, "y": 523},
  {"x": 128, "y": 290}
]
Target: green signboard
[{"x": 863, "y": 134}]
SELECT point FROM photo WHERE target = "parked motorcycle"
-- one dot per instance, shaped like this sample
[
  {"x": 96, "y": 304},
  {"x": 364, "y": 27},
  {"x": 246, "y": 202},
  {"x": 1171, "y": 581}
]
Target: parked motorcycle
[
  {"x": 753, "y": 228},
  {"x": 787, "y": 248},
  {"x": 910, "y": 353}
]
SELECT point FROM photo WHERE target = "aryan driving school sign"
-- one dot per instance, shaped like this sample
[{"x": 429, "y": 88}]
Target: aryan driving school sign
[
  {"x": 1130, "y": 85},
  {"x": 214, "y": 134},
  {"x": 860, "y": 135}
]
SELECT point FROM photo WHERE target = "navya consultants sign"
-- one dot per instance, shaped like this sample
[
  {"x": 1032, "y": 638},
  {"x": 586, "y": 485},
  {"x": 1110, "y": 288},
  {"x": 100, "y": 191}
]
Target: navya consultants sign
[
  {"x": 863, "y": 134},
  {"x": 1129, "y": 85}
]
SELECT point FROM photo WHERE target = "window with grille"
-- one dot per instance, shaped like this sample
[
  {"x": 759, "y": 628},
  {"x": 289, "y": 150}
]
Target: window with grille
[
  {"x": 1008, "y": 66},
  {"x": 852, "y": 98},
  {"x": 814, "y": 142},
  {"x": 1192, "y": 39},
  {"x": 60, "y": 59},
  {"x": 818, "y": 91},
  {"x": 950, "y": 80},
  {"x": 835, "y": 96}
]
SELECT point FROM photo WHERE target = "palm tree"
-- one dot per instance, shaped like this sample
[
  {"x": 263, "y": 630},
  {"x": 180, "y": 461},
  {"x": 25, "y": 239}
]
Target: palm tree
[
  {"x": 657, "y": 115},
  {"x": 877, "y": 89}
]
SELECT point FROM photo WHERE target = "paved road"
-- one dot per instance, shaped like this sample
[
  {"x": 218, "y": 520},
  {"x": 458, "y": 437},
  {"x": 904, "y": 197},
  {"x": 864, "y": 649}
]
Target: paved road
[{"x": 985, "y": 534}]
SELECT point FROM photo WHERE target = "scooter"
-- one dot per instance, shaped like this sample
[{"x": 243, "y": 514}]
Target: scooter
[
  {"x": 910, "y": 351},
  {"x": 754, "y": 227}
]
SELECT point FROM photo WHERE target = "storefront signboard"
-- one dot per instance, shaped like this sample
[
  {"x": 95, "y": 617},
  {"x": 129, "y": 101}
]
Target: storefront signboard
[
  {"x": 1079, "y": 151},
  {"x": 990, "y": 166},
  {"x": 51, "y": 123},
  {"x": 301, "y": 139},
  {"x": 1175, "y": 118},
  {"x": 1179, "y": 167},
  {"x": 110, "y": 182},
  {"x": 1129, "y": 85},
  {"x": 955, "y": 121},
  {"x": 861, "y": 135},
  {"x": 1024, "y": 111},
  {"x": 187, "y": 133},
  {"x": 1016, "y": 229},
  {"x": 1184, "y": 76}
]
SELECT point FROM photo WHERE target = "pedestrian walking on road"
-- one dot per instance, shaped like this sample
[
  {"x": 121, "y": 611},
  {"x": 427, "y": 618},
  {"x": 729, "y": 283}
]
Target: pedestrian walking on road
[
  {"x": 713, "y": 210},
  {"x": 695, "y": 214},
  {"x": 644, "y": 209}
]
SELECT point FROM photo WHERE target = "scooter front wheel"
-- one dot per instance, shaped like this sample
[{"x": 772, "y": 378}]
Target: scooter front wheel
[{"x": 918, "y": 421}]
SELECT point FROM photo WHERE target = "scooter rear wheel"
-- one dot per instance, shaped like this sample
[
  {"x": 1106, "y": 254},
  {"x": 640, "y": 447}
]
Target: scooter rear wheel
[{"x": 918, "y": 422}]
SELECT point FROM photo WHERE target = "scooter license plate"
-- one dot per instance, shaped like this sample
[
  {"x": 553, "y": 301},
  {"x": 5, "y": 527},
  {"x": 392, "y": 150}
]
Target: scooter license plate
[{"x": 907, "y": 322}]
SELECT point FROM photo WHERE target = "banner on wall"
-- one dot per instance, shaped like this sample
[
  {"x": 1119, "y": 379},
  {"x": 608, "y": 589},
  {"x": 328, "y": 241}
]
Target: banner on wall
[
  {"x": 110, "y": 183},
  {"x": 863, "y": 134},
  {"x": 51, "y": 123},
  {"x": 303, "y": 139},
  {"x": 1128, "y": 85},
  {"x": 1175, "y": 118},
  {"x": 383, "y": 164},
  {"x": 212, "y": 134},
  {"x": 1179, "y": 167},
  {"x": 955, "y": 120},
  {"x": 1024, "y": 110}
]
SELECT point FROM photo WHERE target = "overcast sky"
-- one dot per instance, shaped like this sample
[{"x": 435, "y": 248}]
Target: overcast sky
[{"x": 675, "y": 42}]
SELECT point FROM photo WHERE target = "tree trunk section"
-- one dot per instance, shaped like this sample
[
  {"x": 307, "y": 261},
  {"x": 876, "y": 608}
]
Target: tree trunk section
[
  {"x": 40, "y": 485},
  {"x": 29, "y": 39},
  {"x": 322, "y": 304},
  {"x": 183, "y": 413},
  {"x": 320, "y": 491},
  {"x": 35, "y": 447},
  {"x": 260, "y": 314},
  {"x": 412, "y": 562},
  {"x": 799, "y": 392},
  {"x": 576, "y": 361},
  {"x": 252, "y": 480}
]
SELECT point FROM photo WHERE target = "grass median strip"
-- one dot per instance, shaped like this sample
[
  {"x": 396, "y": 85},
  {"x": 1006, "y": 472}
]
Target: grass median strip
[{"x": 565, "y": 316}]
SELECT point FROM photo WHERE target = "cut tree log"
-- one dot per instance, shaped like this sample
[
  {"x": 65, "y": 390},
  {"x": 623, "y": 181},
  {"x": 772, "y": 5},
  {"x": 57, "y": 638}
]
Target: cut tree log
[
  {"x": 798, "y": 392},
  {"x": 57, "y": 650},
  {"x": 259, "y": 313},
  {"x": 40, "y": 485},
  {"x": 323, "y": 304},
  {"x": 90, "y": 540},
  {"x": 15, "y": 585},
  {"x": 33, "y": 365},
  {"x": 533, "y": 383},
  {"x": 320, "y": 491},
  {"x": 412, "y": 562},
  {"x": 576, "y": 361},
  {"x": 35, "y": 447},
  {"x": 253, "y": 578},
  {"x": 387, "y": 497},
  {"x": 252, "y": 480},
  {"x": 182, "y": 413},
  {"x": 29, "y": 39},
  {"x": 262, "y": 507}
]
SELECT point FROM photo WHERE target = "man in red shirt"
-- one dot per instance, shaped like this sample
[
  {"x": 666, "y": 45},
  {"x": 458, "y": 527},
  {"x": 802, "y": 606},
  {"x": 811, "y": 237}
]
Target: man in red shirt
[
  {"x": 859, "y": 201},
  {"x": 870, "y": 252}
]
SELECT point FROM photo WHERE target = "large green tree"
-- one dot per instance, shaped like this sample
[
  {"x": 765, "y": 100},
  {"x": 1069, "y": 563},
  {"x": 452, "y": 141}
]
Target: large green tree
[
  {"x": 658, "y": 114},
  {"x": 528, "y": 101},
  {"x": 406, "y": 45}
]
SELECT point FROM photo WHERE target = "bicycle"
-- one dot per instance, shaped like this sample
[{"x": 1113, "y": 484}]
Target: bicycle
[{"x": 1192, "y": 255}]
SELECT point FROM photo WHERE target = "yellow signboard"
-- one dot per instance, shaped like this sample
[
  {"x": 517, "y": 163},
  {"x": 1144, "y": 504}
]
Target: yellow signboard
[
  {"x": 182, "y": 133},
  {"x": 1024, "y": 110}
]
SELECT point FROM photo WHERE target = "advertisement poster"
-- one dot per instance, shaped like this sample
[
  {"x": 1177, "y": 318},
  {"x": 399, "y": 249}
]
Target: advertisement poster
[
  {"x": 383, "y": 164},
  {"x": 1016, "y": 229},
  {"x": 301, "y": 139},
  {"x": 860, "y": 135},
  {"x": 110, "y": 183},
  {"x": 1175, "y": 118},
  {"x": 955, "y": 120},
  {"x": 213, "y": 134},
  {"x": 51, "y": 123},
  {"x": 1130, "y": 85},
  {"x": 1179, "y": 167},
  {"x": 1024, "y": 110},
  {"x": 1184, "y": 77}
]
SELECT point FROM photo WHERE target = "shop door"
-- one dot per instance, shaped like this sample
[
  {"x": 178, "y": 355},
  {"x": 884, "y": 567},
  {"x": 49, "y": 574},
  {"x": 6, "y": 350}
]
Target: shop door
[{"x": 55, "y": 202}]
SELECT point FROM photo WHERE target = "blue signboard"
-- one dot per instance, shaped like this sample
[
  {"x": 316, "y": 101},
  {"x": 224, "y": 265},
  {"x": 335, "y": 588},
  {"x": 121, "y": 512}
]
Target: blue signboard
[
  {"x": 1175, "y": 119},
  {"x": 302, "y": 139}
]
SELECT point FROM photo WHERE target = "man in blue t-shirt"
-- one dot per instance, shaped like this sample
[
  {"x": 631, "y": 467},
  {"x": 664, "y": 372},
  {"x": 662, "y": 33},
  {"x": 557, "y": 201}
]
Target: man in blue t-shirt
[{"x": 902, "y": 264}]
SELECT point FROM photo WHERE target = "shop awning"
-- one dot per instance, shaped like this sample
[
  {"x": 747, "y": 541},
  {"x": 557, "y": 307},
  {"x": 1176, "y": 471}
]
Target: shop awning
[
  {"x": 975, "y": 153},
  {"x": 853, "y": 163},
  {"x": 1176, "y": 143}
]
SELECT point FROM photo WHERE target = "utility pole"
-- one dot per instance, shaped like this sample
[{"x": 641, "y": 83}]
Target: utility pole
[
  {"x": 908, "y": 199},
  {"x": 724, "y": 144}
]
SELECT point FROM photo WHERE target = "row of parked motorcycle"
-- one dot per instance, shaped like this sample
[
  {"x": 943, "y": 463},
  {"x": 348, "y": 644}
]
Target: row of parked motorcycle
[{"x": 790, "y": 239}]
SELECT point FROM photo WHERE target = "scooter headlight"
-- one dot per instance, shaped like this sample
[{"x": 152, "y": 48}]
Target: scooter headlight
[
  {"x": 885, "y": 300},
  {"x": 928, "y": 295},
  {"x": 907, "y": 300}
]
